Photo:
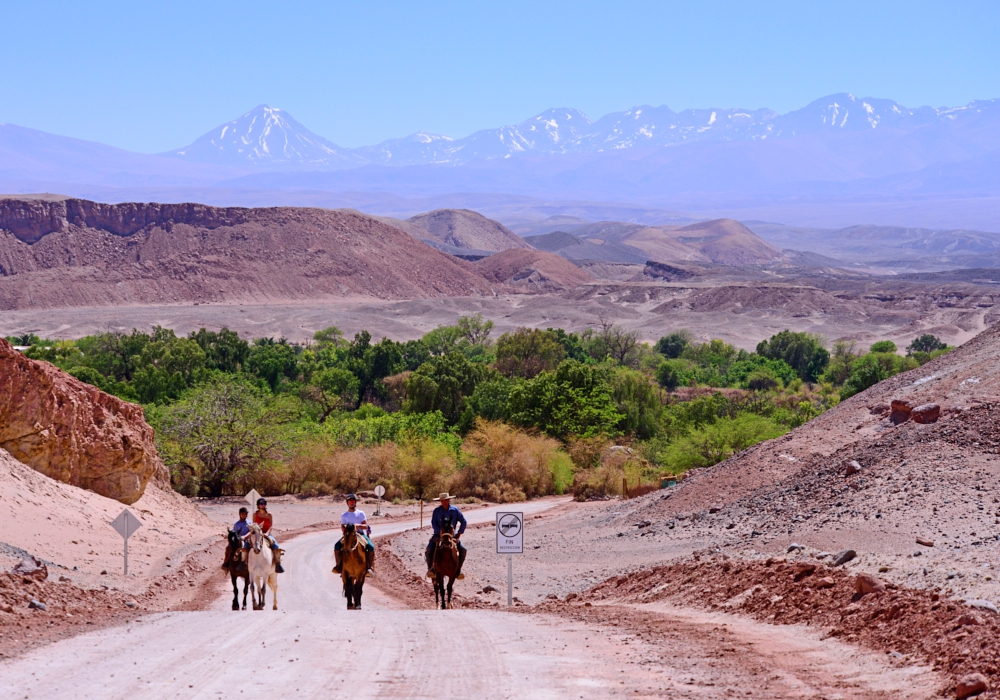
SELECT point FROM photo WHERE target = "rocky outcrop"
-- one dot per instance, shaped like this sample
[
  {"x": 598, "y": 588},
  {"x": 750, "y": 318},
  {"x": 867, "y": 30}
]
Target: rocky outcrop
[{"x": 73, "y": 432}]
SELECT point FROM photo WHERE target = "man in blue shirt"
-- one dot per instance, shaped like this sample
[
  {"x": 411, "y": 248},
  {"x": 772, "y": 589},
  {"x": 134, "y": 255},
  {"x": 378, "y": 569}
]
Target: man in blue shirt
[
  {"x": 442, "y": 512},
  {"x": 241, "y": 527}
]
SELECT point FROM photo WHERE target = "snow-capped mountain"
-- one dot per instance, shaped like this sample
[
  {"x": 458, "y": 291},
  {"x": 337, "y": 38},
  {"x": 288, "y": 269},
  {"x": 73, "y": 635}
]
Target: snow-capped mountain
[{"x": 268, "y": 138}]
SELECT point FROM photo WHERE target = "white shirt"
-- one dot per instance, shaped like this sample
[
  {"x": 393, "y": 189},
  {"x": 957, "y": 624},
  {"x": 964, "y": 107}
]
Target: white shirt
[{"x": 357, "y": 517}]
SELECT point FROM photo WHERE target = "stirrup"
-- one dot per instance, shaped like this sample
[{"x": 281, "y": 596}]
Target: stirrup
[
  {"x": 459, "y": 577},
  {"x": 370, "y": 573},
  {"x": 431, "y": 574}
]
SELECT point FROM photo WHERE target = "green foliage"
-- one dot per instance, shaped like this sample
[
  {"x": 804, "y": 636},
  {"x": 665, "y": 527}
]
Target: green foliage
[
  {"x": 713, "y": 442},
  {"x": 224, "y": 431},
  {"x": 674, "y": 373},
  {"x": 883, "y": 346},
  {"x": 740, "y": 372},
  {"x": 926, "y": 343},
  {"x": 803, "y": 351},
  {"x": 575, "y": 399},
  {"x": 224, "y": 351},
  {"x": 527, "y": 351},
  {"x": 490, "y": 399},
  {"x": 638, "y": 402},
  {"x": 872, "y": 368},
  {"x": 329, "y": 337},
  {"x": 442, "y": 383},
  {"x": 373, "y": 426},
  {"x": 842, "y": 361},
  {"x": 671, "y": 346},
  {"x": 331, "y": 390},
  {"x": 272, "y": 361},
  {"x": 470, "y": 337}
]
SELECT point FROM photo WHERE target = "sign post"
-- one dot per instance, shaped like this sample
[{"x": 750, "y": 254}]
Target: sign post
[
  {"x": 510, "y": 541},
  {"x": 379, "y": 492},
  {"x": 125, "y": 525}
]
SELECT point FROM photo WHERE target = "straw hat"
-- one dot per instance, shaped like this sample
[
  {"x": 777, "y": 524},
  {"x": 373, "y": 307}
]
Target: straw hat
[{"x": 444, "y": 497}]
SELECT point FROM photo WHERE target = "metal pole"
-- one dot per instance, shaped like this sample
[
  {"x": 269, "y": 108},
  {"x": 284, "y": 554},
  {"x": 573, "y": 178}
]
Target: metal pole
[
  {"x": 421, "y": 514},
  {"x": 510, "y": 580},
  {"x": 126, "y": 544}
]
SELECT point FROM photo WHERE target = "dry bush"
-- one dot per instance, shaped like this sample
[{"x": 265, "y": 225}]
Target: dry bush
[
  {"x": 395, "y": 386},
  {"x": 505, "y": 464},
  {"x": 617, "y": 465},
  {"x": 586, "y": 451},
  {"x": 362, "y": 468},
  {"x": 424, "y": 467}
]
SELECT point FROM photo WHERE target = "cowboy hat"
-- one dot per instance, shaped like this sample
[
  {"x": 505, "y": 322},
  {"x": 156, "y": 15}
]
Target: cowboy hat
[{"x": 444, "y": 497}]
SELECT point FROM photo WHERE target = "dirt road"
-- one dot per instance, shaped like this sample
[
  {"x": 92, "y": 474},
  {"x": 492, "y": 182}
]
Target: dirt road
[{"x": 314, "y": 647}]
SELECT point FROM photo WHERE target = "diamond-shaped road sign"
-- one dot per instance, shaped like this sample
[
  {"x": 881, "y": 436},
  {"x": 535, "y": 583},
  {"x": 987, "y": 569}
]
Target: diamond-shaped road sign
[
  {"x": 126, "y": 523},
  {"x": 252, "y": 497}
]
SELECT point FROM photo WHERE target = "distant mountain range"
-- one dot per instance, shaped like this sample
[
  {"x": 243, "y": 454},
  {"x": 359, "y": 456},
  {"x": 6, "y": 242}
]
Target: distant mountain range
[
  {"x": 839, "y": 161},
  {"x": 269, "y": 138}
]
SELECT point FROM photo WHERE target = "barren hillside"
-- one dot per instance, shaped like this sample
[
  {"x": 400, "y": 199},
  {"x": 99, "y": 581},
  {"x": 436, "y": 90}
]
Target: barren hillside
[
  {"x": 72, "y": 252},
  {"x": 532, "y": 270},
  {"x": 463, "y": 228}
]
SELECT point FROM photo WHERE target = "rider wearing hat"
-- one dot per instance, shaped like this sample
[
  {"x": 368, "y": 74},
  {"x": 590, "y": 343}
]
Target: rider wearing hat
[
  {"x": 454, "y": 515},
  {"x": 263, "y": 518},
  {"x": 361, "y": 526}
]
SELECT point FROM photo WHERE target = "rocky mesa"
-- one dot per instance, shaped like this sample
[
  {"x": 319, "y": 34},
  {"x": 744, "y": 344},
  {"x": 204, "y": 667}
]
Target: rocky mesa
[
  {"x": 63, "y": 252},
  {"x": 73, "y": 432}
]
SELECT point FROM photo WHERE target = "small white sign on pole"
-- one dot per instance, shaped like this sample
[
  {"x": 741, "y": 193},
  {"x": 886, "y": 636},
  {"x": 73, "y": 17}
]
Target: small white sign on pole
[
  {"x": 125, "y": 525},
  {"x": 252, "y": 498},
  {"x": 379, "y": 492},
  {"x": 510, "y": 541}
]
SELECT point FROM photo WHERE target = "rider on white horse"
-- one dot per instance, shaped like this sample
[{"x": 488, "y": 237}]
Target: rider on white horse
[
  {"x": 264, "y": 519},
  {"x": 361, "y": 526}
]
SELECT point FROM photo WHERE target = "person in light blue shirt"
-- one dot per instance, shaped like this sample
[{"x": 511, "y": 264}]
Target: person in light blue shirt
[
  {"x": 446, "y": 511},
  {"x": 242, "y": 528}
]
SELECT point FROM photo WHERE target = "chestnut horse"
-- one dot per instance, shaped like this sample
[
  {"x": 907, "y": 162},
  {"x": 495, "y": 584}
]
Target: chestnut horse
[
  {"x": 445, "y": 564},
  {"x": 354, "y": 567},
  {"x": 236, "y": 564}
]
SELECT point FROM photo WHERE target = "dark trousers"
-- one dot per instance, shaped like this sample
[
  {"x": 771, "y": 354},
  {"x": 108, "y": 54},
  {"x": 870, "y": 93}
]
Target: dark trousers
[{"x": 432, "y": 545}]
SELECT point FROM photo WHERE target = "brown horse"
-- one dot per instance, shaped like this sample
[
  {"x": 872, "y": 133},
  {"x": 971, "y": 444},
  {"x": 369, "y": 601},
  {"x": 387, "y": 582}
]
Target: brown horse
[
  {"x": 445, "y": 565},
  {"x": 235, "y": 563},
  {"x": 354, "y": 567}
]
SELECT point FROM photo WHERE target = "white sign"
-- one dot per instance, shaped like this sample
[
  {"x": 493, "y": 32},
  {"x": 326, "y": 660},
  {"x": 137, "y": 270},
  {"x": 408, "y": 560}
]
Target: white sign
[
  {"x": 126, "y": 523},
  {"x": 510, "y": 533},
  {"x": 380, "y": 490},
  {"x": 252, "y": 497}
]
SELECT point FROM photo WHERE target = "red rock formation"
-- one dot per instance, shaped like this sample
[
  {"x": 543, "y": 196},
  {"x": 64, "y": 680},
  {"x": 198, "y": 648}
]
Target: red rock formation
[{"x": 73, "y": 432}]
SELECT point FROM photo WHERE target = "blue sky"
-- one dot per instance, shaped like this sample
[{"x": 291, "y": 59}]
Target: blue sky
[{"x": 149, "y": 76}]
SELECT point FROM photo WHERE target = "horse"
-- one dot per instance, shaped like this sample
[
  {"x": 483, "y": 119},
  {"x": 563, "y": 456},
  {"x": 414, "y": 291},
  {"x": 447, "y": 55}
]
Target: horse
[
  {"x": 235, "y": 563},
  {"x": 261, "y": 568},
  {"x": 354, "y": 567},
  {"x": 445, "y": 565}
]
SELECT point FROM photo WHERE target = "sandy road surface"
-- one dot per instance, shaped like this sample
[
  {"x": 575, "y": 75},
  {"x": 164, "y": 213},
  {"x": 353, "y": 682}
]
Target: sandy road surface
[{"x": 314, "y": 647}]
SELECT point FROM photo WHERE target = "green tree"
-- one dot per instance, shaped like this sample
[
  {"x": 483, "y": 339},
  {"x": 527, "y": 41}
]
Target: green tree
[
  {"x": 803, "y": 351},
  {"x": 926, "y": 343},
  {"x": 638, "y": 402},
  {"x": 272, "y": 361},
  {"x": 671, "y": 346},
  {"x": 442, "y": 383},
  {"x": 527, "y": 351},
  {"x": 225, "y": 430},
  {"x": 845, "y": 354},
  {"x": 575, "y": 399},
  {"x": 674, "y": 373},
  {"x": 331, "y": 390},
  {"x": 331, "y": 336},
  {"x": 883, "y": 346},
  {"x": 490, "y": 399},
  {"x": 224, "y": 351}
]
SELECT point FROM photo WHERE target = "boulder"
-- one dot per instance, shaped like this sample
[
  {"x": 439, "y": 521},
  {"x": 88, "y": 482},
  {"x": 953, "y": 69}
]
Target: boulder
[
  {"x": 900, "y": 411},
  {"x": 73, "y": 432},
  {"x": 970, "y": 685},
  {"x": 803, "y": 570},
  {"x": 844, "y": 557},
  {"x": 925, "y": 413},
  {"x": 880, "y": 409},
  {"x": 825, "y": 582},
  {"x": 866, "y": 583},
  {"x": 925, "y": 542},
  {"x": 31, "y": 568},
  {"x": 852, "y": 467}
]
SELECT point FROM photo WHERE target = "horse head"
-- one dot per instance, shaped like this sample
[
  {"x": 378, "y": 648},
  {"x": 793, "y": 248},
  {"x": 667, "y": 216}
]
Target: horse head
[
  {"x": 234, "y": 540},
  {"x": 256, "y": 538}
]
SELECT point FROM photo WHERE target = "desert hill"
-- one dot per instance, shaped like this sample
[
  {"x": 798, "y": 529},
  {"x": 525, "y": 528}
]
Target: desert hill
[
  {"x": 532, "y": 270},
  {"x": 73, "y": 252},
  {"x": 872, "y": 475},
  {"x": 463, "y": 228}
]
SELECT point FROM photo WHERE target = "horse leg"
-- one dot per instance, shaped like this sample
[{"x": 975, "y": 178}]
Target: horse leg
[
  {"x": 274, "y": 591},
  {"x": 246, "y": 587},
  {"x": 358, "y": 589},
  {"x": 236, "y": 592},
  {"x": 451, "y": 582}
]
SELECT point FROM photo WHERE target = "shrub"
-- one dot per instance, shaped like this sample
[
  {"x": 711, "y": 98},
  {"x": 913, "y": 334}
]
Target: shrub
[
  {"x": 803, "y": 351},
  {"x": 712, "y": 443},
  {"x": 671, "y": 346},
  {"x": 883, "y": 346},
  {"x": 585, "y": 452},
  {"x": 505, "y": 464},
  {"x": 925, "y": 343},
  {"x": 527, "y": 351},
  {"x": 425, "y": 467},
  {"x": 674, "y": 373},
  {"x": 762, "y": 379},
  {"x": 574, "y": 400}
]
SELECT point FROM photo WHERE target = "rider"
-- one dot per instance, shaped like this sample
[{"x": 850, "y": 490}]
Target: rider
[
  {"x": 445, "y": 510},
  {"x": 264, "y": 519},
  {"x": 241, "y": 528},
  {"x": 361, "y": 526}
]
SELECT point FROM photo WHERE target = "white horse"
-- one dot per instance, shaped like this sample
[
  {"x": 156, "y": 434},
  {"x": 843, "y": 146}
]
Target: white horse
[{"x": 261, "y": 566}]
